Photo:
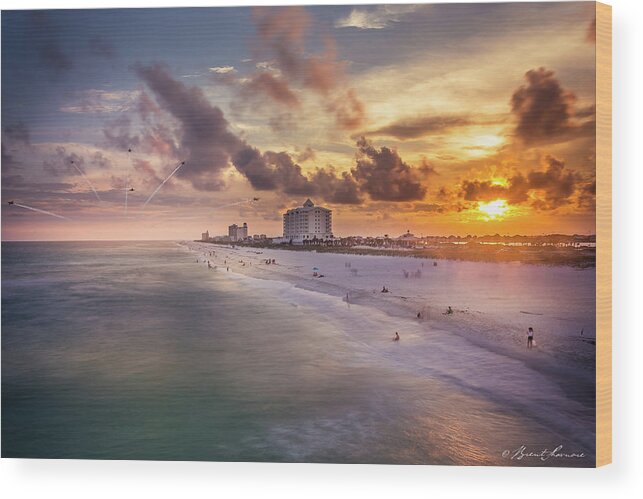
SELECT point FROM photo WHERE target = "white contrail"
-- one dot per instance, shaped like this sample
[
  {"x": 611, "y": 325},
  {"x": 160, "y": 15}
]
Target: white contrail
[
  {"x": 86, "y": 180},
  {"x": 40, "y": 211},
  {"x": 233, "y": 204},
  {"x": 127, "y": 190},
  {"x": 163, "y": 183}
]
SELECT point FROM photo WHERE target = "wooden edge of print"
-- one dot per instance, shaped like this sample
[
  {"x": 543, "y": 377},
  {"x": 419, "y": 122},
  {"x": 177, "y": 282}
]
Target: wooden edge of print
[{"x": 603, "y": 234}]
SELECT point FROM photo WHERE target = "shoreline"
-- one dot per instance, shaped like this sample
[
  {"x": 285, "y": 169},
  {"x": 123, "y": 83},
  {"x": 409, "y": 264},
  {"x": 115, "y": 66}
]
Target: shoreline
[
  {"x": 474, "y": 326},
  {"x": 550, "y": 256},
  {"x": 465, "y": 333}
]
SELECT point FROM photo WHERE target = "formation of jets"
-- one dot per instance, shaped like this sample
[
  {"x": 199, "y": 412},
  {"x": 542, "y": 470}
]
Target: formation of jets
[{"x": 130, "y": 189}]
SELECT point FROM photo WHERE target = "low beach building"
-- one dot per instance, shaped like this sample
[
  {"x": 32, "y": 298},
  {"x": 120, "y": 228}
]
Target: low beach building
[{"x": 308, "y": 223}]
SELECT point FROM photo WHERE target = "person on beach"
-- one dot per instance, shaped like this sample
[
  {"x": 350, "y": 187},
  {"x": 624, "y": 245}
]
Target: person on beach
[
  {"x": 396, "y": 337},
  {"x": 530, "y": 337},
  {"x": 449, "y": 310}
]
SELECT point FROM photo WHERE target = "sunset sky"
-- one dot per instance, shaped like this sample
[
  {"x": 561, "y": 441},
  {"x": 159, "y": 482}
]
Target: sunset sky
[{"x": 440, "y": 119}]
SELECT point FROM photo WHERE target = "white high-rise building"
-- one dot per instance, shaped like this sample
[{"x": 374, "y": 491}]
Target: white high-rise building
[
  {"x": 308, "y": 222},
  {"x": 236, "y": 233}
]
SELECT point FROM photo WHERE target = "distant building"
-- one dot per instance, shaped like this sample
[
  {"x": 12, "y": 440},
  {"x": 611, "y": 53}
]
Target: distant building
[
  {"x": 205, "y": 236},
  {"x": 308, "y": 223},
  {"x": 408, "y": 239},
  {"x": 237, "y": 233}
]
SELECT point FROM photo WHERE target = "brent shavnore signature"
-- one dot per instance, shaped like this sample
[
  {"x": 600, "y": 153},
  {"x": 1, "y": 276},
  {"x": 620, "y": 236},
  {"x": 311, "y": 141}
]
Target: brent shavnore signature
[{"x": 545, "y": 454}]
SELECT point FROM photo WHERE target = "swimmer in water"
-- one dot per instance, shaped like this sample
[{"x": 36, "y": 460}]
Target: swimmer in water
[{"x": 396, "y": 337}]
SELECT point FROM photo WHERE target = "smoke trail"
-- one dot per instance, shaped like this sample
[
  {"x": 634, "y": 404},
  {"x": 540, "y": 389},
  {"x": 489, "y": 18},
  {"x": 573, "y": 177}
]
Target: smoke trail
[
  {"x": 86, "y": 180},
  {"x": 40, "y": 211},
  {"x": 163, "y": 183},
  {"x": 234, "y": 204}
]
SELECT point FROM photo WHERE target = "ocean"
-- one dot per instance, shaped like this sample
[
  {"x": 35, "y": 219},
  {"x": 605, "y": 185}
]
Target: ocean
[{"x": 132, "y": 350}]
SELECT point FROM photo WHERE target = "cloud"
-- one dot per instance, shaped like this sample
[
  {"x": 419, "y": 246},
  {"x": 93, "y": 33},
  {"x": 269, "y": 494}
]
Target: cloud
[
  {"x": 413, "y": 128},
  {"x": 547, "y": 189},
  {"x": 349, "y": 110},
  {"x": 148, "y": 173},
  {"x": 544, "y": 111},
  {"x": 97, "y": 101},
  {"x": 206, "y": 142},
  {"x": 385, "y": 176},
  {"x": 222, "y": 70},
  {"x": 278, "y": 171},
  {"x": 264, "y": 83},
  {"x": 556, "y": 184},
  {"x": 428, "y": 207},
  {"x": 146, "y": 106},
  {"x": 249, "y": 162},
  {"x": 306, "y": 154},
  {"x": 209, "y": 147},
  {"x": 99, "y": 160},
  {"x": 336, "y": 188},
  {"x": 376, "y": 18},
  {"x": 117, "y": 134},
  {"x": 281, "y": 37},
  {"x": 61, "y": 163}
]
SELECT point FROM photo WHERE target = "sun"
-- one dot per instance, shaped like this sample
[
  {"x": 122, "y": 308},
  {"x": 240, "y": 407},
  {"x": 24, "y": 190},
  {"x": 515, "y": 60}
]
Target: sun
[{"x": 494, "y": 209}]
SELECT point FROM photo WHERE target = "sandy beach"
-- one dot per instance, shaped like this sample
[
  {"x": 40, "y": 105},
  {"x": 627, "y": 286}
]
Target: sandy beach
[{"x": 480, "y": 347}]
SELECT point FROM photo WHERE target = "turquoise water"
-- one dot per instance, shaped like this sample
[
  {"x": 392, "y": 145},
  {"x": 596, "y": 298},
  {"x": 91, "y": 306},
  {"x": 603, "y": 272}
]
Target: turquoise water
[{"x": 122, "y": 350}]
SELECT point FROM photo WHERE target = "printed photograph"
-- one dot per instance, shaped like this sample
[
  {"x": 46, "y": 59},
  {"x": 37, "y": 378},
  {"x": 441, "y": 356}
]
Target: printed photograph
[{"x": 312, "y": 234}]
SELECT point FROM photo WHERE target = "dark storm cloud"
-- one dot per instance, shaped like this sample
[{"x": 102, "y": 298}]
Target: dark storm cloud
[
  {"x": 385, "y": 176},
  {"x": 250, "y": 163},
  {"x": 273, "y": 171},
  {"x": 334, "y": 188},
  {"x": 515, "y": 192},
  {"x": 206, "y": 141},
  {"x": 288, "y": 174},
  {"x": 556, "y": 183},
  {"x": 546, "y": 189},
  {"x": 413, "y": 128},
  {"x": 544, "y": 110},
  {"x": 209, "y": 147}
]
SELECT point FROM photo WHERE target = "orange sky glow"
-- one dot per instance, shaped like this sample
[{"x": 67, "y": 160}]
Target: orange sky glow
[{"x": 438, "y": 119}]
